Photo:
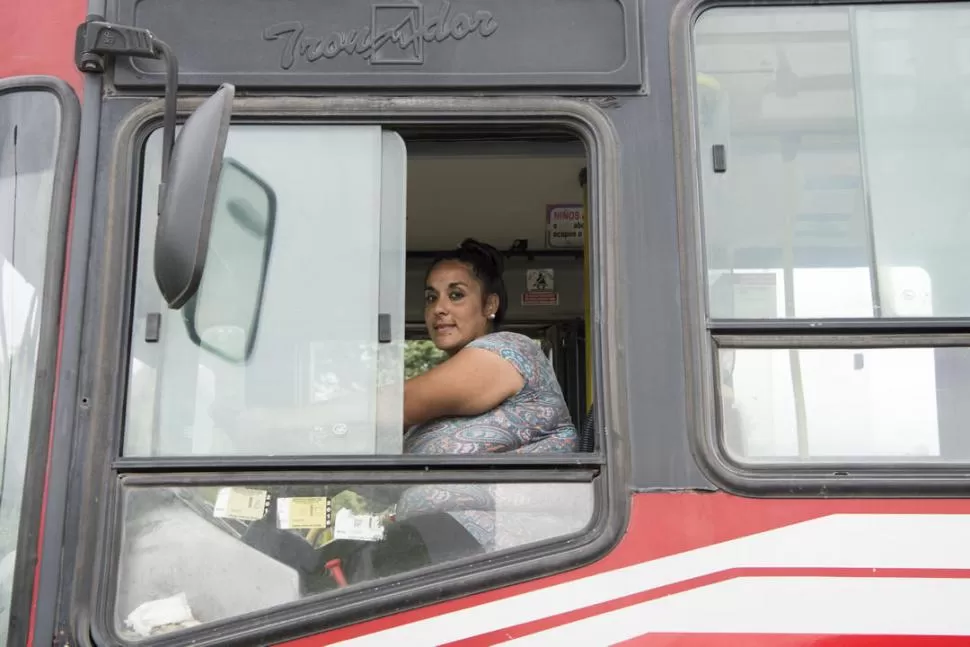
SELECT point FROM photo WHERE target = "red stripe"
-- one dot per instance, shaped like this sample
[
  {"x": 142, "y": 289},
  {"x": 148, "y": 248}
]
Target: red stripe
[
  {"x": 550, "y": 622},
  {"x": 791, "y": 640}
]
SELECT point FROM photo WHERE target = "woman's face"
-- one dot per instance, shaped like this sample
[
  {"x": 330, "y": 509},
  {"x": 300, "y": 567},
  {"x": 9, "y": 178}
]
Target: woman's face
[{"x": 454, "y": 310}]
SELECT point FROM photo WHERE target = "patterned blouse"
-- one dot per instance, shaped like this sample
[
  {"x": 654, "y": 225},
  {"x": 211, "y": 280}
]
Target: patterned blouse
[{"x": 535, "y": 419}]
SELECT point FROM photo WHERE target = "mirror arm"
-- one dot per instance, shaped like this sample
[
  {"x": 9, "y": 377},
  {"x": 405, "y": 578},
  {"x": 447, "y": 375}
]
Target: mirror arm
[
  {"x": 171, "y": 94},
  {"x": 96, "y": 40}
]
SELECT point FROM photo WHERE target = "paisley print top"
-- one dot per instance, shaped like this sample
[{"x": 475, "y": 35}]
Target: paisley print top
[{"x": 535, "y": 419}]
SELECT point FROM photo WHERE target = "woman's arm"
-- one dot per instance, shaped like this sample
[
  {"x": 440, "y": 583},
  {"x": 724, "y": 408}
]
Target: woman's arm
[{"x": 470, "y": 383}]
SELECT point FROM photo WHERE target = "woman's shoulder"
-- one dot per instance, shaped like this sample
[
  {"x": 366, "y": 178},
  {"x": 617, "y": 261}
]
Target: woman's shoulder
[
  {"x": 523, "y": 352},
  {"x": 505, "y": 339}
]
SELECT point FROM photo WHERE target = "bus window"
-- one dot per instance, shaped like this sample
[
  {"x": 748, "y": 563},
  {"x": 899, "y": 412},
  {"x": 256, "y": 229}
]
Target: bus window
[
  {"x": 832, "y": 188},
  {"x": 340, "y": 323},
  {"x": 191, "y": 554},
  {"x": 37, "y": 130},
  {"x": 842, "y": 185}
]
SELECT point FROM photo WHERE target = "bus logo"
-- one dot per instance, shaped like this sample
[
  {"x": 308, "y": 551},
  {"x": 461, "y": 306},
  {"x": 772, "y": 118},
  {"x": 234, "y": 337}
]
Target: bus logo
[{"x": 397, "y": 35}]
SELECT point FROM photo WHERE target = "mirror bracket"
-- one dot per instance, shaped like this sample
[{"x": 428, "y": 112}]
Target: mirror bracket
[
  {"x": 97, "y": 40},
  {"x": 191, "y": 171}
]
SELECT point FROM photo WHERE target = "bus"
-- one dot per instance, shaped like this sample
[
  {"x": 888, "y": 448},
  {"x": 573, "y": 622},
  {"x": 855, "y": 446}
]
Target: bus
[{"x": 739, "y": 231}]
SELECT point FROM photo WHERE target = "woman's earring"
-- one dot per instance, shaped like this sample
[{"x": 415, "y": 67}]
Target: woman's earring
[{"x": 491, "y": 316}]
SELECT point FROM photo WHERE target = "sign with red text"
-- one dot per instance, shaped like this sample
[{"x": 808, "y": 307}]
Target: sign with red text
[{"x": 564, "y": 225}]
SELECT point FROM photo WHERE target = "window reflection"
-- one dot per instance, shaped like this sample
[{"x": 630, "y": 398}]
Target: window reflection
[
  {"x": 317, "y": 336},
  {"x": 845, "y": 193},
  {"x": 192, "y": 555},
  {"x": 30, "y": 122},
  {"x": 845, "y": 404}
]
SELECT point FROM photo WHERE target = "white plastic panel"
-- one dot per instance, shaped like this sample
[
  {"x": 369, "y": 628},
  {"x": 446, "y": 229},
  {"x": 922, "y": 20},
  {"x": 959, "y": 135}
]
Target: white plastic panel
[{"x": 390, "y": 355}]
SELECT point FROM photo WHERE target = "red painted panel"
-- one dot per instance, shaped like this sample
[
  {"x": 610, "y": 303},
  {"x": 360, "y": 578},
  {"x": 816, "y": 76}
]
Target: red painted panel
[{"x": 38, "y": 38}]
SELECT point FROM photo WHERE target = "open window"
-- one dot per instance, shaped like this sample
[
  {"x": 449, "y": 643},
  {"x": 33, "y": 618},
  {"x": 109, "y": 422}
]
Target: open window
[
  {"x": 523, "y": 195},
  {"x": 310, "y": 294}
]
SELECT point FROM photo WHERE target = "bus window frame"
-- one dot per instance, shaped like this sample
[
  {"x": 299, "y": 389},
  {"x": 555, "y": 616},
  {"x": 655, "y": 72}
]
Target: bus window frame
[
  {"x": 703, "y": 336},
  {"x": 109, "y": 472},
  {"x": 29, "y": 534}
]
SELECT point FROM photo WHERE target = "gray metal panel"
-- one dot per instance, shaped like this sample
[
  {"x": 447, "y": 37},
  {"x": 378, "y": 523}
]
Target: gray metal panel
[
  {"x": 652, "y": 283},
  {"x": 564, "y": 44},
  {"x": 85, "y": 449},
  {"x": 653, "y": 338}
]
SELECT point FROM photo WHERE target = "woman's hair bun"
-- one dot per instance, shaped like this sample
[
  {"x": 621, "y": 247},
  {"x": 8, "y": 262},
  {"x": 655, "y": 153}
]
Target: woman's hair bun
[{"x": 491, "y": 257}]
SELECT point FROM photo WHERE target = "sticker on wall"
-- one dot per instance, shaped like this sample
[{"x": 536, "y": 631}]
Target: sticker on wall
[
  {"x": 543, "y": 280},
  {"x": 564, "y": 225},
  {"x": 540, "y": 288}
]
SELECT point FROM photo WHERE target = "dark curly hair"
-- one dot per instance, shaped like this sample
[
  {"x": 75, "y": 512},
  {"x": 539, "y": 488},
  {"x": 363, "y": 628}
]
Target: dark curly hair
[{"x": 487, "y": 264}]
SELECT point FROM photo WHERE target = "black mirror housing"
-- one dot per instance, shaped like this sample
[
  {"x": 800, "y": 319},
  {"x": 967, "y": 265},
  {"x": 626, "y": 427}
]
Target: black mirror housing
[{"x": 187, "y": 200}]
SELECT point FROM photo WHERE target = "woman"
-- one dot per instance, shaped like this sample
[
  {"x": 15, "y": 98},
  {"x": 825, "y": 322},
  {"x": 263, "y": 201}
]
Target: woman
[{"x": 497, "y": 391}]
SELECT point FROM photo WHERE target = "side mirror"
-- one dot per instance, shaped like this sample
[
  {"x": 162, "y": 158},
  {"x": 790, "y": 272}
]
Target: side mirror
[
  {"x": 188, "y": 196},
  {"x": 194, "y": 180},
  {"x": 223, "y": 315}
]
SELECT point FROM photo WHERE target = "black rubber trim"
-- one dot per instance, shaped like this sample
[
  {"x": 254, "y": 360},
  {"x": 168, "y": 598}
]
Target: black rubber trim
[
  {"x": 215, "y": 478},
  {"x": 859, "y": 340},
  {"x": 339, "y": 464},
  {"x": 870, "y": 327}
]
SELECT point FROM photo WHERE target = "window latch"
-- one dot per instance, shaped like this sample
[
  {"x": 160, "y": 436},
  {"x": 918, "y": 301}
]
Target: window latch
[
  {"x": 383, "y": 328},
  {"x": 719, "y": 158}
]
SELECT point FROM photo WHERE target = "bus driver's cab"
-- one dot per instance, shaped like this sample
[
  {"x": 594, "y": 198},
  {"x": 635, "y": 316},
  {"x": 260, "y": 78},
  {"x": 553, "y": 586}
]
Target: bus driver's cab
[{"x": 291, "y": 228}]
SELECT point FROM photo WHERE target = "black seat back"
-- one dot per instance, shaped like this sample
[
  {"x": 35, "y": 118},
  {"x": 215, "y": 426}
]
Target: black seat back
[{"x": 587, "y": 432}]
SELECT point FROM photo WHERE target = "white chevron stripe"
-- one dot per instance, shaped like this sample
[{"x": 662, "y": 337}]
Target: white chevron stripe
[
  {"x": 836, "y": 541},
  {"x": 805, "y": 605}
]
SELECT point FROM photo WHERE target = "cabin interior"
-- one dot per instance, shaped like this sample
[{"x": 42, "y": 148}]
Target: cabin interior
[{"x": 516, "y": 195}]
